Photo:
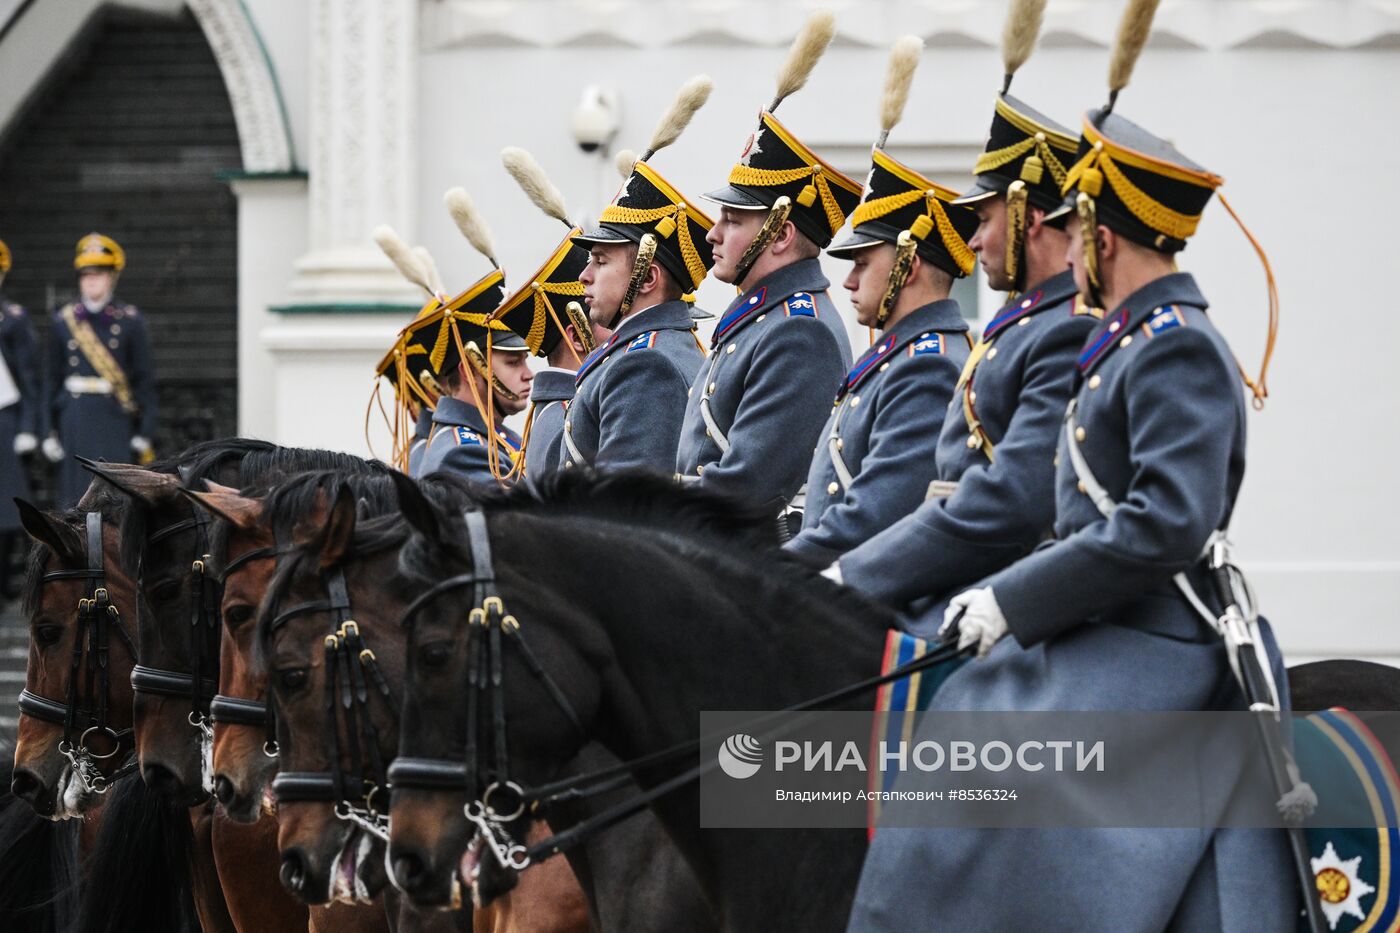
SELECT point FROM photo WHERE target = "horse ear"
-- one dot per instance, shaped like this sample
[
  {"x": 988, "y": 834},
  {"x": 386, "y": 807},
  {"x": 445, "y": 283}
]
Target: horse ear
[
  {"x": 416, "y": 508},
  {"x": 143, "y": 485},
  {"x": 226, "y": 503},
  {"x": 339, "y": 528},
  {"x": 49, "y": 530}
]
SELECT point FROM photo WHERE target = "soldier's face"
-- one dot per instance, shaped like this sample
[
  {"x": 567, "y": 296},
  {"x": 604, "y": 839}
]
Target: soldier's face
[
  {"x": 989, "y": 242},
  {"x": 95, "y": 284},
  {"x": 870, "y": 275},
  {"x": 730, "y": 236},
  {"x": 605, "y": 279},
  {"x": 514, "y": 373}
]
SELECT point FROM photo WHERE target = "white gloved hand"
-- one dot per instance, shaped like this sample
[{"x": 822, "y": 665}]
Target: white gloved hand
[
  {"x": 833, "y": 573},
  {"x": 140, "y": 445},
  {"x": 53, "y": 449},
  {"x": 982, "y": 623},
  {"x": 25, "y": 443}
]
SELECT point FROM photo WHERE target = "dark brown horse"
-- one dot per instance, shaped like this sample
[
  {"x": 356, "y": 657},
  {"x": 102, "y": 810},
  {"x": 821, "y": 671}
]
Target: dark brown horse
[{"x": 659, "y": 603}]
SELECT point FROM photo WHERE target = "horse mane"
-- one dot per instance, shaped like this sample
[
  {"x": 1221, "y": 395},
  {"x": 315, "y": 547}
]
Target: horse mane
[
  {"x": 643, "y": 498},
  {"x": 138, "y": 872},
  {"x": 39, "y": 874}
]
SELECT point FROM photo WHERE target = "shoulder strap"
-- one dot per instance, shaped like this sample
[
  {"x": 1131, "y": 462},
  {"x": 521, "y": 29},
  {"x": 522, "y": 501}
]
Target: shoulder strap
[{"x": 96, "y": 353}]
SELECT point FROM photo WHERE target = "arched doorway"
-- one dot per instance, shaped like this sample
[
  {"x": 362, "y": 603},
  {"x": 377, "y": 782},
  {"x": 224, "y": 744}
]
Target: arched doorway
[{"x": 126, "y": 135}]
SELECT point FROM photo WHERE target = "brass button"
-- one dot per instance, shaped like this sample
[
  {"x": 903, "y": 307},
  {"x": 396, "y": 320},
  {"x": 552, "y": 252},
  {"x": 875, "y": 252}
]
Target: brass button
[
  {"x": 712, "y": 388},
  {"x": 1023, "y": 322},
  {"x": 1095, "y": 381},
  {"x": 72, "y": 344},
  {"x": 569, "y": 426},
  {"x": 1026, "y": 303},
  {"x": 855, "y": 401},
  {"x": 1113, "y": 328},
  {"x": 113, "y": 343},
  {"x": 831, "y": 489},
  {"x": 759, "y": 319},
  {"x": 116, "y": 328},
  {"x": 1125, "y": 341},
  {"x": 708, "y": 434},
  {"x": 840, "y": 444},
  {"x": 1079, "y": 434},
  {"x": 1081, "y": 487},
  {"x": 992, "y": 353},
  {"x": 732, "y": 348},
  {"x": 972, "y": 442},
  {"x": 884, "y": 366},
  {"x": 72, "y": 361}
]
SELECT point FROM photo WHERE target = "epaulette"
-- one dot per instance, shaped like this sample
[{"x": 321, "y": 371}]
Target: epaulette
[
  {"x": 1091, "y": 353},
  {"x": 801, "y": 304},
  {"x": 466, "y": 436},
  {"x": 1164, "y": 318},
  {"x": 930, "y": 343},
  {"x": 641, "y": 342},
  {"x": 124, "y": 310}
]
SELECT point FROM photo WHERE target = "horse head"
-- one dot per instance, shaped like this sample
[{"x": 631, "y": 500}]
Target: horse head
[{"x": 75, "y": 712}]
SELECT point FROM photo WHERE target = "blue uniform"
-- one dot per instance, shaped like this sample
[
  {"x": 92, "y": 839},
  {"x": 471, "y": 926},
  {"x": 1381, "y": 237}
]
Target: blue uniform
[
  {"x": 551, "y": 393},
  {"x": 1004, "y": 502},
  {"x": 460, "y": 444},
  {"x": 777, "y": 357},
  {"x": 875, "y": 457},
  {"x": 422, "y": 428},
  {"x": 90, "y": 420},
  {"x": 1097, "y": 624},
  {"x": 25, "y": 415},
  {"x": 630, "y": 393}
]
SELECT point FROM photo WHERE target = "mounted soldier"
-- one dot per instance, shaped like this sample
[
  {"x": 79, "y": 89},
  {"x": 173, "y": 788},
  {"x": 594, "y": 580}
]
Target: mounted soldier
[
  {"x": 416, "y": 392},
  {"x": 994, "y": 496},
  {"x": 1111, "y": 614},
  {"x": 875, "y": 457},
  {"x": 101, "y": 378},
  {"x": 780, "y": 349}
]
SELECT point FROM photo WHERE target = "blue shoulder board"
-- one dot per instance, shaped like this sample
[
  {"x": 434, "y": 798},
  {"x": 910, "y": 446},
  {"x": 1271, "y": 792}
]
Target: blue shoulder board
[
  {"x": 641, "y": 341},
  {"x": 1164, "y": 319},
  {"x": 926, "y": 344},
  {"x": 467, "y": 436},
  {"x": 801, "y": 304}
]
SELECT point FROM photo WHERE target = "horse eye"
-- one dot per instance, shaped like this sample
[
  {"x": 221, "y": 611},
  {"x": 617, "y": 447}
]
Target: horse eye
[
  {"x": 47, "y": 635},
  {"x": 435, "y": 655},
  {"x": 237, "y": 615},
  {"x": 292, "y": 679},
  {"x": 166, "y": 592}
]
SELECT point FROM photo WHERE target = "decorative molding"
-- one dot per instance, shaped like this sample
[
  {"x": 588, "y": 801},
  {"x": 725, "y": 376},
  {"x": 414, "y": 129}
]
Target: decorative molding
[
  {"x": 263, "y": 131},
  {"x": 1214, "y": 25},
  {"x": 346, "y": 308}
]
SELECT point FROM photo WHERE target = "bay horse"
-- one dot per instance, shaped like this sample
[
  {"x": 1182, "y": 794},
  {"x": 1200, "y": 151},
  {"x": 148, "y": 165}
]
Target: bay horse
[{"x": 659, "y": 602}]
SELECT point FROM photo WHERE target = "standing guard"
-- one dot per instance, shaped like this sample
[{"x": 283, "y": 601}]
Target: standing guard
[
  {"x": 1112, "y": 614},
  {"x": 994, "y": 496},
  {"x": 780, "y": 350},
  {"x": 875, "y": 456},
  {"x": 101, "y": 379},
  {"x": 21, "y": 414}
]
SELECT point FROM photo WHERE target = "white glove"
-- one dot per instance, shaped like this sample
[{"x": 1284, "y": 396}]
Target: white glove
[
  {"x": 140, "y": 445},
  {"x": 25, "y": 443},
  {"x": 982, "y": 623},
  {"x": 53, "y": 449},
  {"x": 833, "y": 573}
]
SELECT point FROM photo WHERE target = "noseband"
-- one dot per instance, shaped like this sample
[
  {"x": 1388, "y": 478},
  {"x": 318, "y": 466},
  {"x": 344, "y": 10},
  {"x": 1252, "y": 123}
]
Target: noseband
[
  {"x": 351, "y": 670},
  {"x": 238, "y": 711},
  {"x": 89, "y": 685}
]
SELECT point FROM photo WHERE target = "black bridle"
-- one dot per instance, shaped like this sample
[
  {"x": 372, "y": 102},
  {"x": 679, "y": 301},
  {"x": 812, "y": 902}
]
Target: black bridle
[
  {"x": 89, "y": 684},
  {"x": 361, "y": 794},
  {"x": 444, "y": 774},
  {"x": 238, "y": 711}
]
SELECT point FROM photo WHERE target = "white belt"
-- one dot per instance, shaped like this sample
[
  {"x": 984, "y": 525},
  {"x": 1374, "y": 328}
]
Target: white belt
[{"x": 87, "y": 385}]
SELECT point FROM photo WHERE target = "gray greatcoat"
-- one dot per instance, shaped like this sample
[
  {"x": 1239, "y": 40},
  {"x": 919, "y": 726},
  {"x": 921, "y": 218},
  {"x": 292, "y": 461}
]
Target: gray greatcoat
[
  {"x": 1002, "y": 506},
  {"x": 884, "y": 430},
  {"x": 629, "y": 397},
  {"x": 551, "y": 394},
  {"x": 1096, "y": 624},
  {"x": 25, "y": 416},
  {"x": 460, "y": 444},
  {"x": 777, "y": 357}
]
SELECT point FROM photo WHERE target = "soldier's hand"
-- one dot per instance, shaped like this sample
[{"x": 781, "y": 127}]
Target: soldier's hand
[
  {"x": 53, "y": 450},
  {"x": 140, "y": 445},
  {"x": 982, "y": 623},
  {"x": 25, "y": 443}
]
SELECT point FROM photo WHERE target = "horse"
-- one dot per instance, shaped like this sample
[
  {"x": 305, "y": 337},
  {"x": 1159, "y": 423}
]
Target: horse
[{"x": 660, "y": 602}]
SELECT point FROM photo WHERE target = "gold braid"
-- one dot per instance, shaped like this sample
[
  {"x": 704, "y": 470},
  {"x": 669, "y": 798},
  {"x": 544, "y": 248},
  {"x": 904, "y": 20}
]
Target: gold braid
[{"x": 679, "y": 224}]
